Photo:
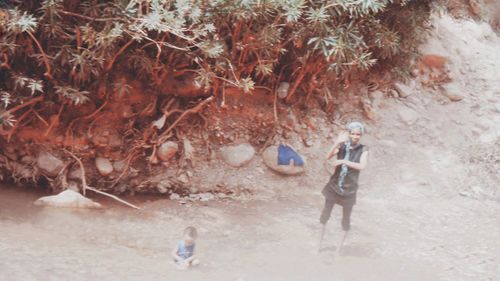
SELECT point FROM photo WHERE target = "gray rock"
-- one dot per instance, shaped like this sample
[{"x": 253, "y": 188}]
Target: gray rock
[
  {"x": 451, "y": 92},
  {"x": 27, "y": 159},
  {"x": 238, "y": 155},
  {"x": 183, "y": 178},
  {"x": 407, "y": 115},
  {"x": 67, "y": 199},
  {"x": 283, "y": 90},
  {"x": 119, "y": 165},
  {"x": 104, "y": 166},
  {"x": 162, "y": 187},
  {"x": 404, "y": 90},
  {"x": 188, "y": 149},
  {"x": 270, "y": 158},
  {"x": 49, "y": 164},
  {"x": 167, "y": 150}
]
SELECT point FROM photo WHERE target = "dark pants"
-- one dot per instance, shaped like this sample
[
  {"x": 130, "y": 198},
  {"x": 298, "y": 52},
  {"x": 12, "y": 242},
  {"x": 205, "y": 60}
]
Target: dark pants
[{"x": 346, "y": 214}]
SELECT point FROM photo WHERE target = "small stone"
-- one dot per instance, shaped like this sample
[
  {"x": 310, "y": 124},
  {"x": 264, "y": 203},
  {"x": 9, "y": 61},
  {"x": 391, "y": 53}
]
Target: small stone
[
  {"x": 188, "y": 149},
  {"x": 104, "y": 166},
  {"x": 49, "y": 164},
  {"x": 238, "y": 155},
  {"x": 167, "y": 150},
  {"x": 175, "y": 196},
  {"x": 183, "y": 178},
  {"x": 120, "y": 188},
  {"x": 119, "y": 166},
  {"x": 283, "y": 90},
  {"x": 204, "y": 197},
  {"x": 162, "y": 187},
  {"x": 27, "y": 159},
  {"x": 404, "y": 90},
  {"x": 407, "y": 115},
  {"x": 451, "y": 92}
]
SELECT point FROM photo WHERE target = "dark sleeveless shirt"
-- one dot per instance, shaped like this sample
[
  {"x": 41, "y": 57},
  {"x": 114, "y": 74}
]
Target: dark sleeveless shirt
[{"x": 350, "y": 186}]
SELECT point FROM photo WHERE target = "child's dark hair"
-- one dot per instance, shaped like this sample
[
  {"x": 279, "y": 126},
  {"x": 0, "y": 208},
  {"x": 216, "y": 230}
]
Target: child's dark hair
[{"x": 191, "y": 232}]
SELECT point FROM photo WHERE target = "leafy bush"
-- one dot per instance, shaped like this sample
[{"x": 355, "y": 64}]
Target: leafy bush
[{"x": 61, "y": 48}]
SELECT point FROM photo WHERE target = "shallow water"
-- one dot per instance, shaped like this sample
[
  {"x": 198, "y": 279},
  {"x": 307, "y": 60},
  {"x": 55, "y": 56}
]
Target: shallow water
[{"x": 238, "y": 241}]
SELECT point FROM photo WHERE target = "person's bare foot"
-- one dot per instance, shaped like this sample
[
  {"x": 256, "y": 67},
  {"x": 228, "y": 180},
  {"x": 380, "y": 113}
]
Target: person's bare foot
[
  {"x": 181, "y": 265},
  {"x": 195, "y": 262}
]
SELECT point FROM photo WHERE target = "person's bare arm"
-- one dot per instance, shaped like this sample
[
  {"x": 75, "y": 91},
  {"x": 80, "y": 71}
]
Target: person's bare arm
[
  {"x": 336, "y": 145},
  {"x": 175, "y": 255},
  {"x": 190, "y": 259},
  {"x": 363, "y": 161}
]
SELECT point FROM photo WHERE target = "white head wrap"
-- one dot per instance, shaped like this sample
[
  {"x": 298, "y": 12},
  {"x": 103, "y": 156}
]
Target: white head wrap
[{"x": 356, "y": 126}]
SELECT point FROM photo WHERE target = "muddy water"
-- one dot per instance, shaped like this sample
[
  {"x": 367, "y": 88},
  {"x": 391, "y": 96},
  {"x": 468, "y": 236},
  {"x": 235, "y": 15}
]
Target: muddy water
[{"x": 238, "y": 241}]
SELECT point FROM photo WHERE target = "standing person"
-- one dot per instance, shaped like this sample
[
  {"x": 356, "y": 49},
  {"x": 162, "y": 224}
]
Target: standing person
[
  {"x": 352, "y": 157},
  {"x": 183, "y": 253}
]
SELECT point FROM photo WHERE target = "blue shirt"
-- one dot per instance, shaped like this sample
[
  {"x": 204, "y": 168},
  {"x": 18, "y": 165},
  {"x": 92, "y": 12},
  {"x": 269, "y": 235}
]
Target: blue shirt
[
  {"x": 184, "y": 251},
  {"x": 286, "y": 153}
]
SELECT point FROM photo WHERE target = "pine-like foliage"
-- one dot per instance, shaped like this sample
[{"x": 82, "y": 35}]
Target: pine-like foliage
[{"x": 62, "y": 48}]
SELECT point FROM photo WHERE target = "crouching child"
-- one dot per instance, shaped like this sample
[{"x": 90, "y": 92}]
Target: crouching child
[{"x": 183, "y": 253}]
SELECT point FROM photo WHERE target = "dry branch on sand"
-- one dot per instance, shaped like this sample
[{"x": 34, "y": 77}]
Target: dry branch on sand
[{"x": 85, "y": 186}]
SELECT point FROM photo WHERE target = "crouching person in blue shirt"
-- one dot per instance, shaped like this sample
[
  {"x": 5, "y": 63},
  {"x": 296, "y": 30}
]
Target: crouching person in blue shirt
[{"x": 183, "y": 254}]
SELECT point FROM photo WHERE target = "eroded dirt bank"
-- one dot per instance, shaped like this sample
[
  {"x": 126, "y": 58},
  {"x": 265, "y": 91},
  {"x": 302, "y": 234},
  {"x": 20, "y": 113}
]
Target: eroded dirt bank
[{"x": 427, "y": 209}]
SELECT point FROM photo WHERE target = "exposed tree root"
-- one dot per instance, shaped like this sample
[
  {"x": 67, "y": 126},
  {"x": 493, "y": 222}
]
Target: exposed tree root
[
  {"x": 163, "y": 137},
  {"x": 85, "y": 186}
]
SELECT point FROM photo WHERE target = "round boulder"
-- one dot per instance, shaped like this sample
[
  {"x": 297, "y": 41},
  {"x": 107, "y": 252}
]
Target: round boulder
[
  {"x": 270, "y": 158},
  {"x": 104, "y": 166},
  {"x": 49, "y": 164},
  {"x": 238, "y": 155},
  {"x": 167, "y": 150}
]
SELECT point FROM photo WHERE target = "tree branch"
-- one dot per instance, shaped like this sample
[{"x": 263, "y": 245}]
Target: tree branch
[
  {"x": 44, "y": 56},
  {"x": 85, "y": 186}
]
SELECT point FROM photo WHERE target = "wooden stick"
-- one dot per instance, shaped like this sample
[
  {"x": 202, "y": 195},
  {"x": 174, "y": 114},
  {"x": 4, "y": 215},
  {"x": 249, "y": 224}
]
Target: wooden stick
[
  {"x": 40, "y": 118},
  {"x": 97, "y": 111},
  {"x": 55, "y": 121},
  {"x": 130, "y": 158},
  {"x": 44, "y": 57},
  {"x": 110, "y": 64},
  {"x": 16, "y": 108},
  {"x": 11, "y": 132},
  {"x": 85, "y": 186},
  {"x": 87, "y": 18}
]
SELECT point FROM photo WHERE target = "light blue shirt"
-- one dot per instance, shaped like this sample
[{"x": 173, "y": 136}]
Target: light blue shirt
[{"x": 184, "y": 251}]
